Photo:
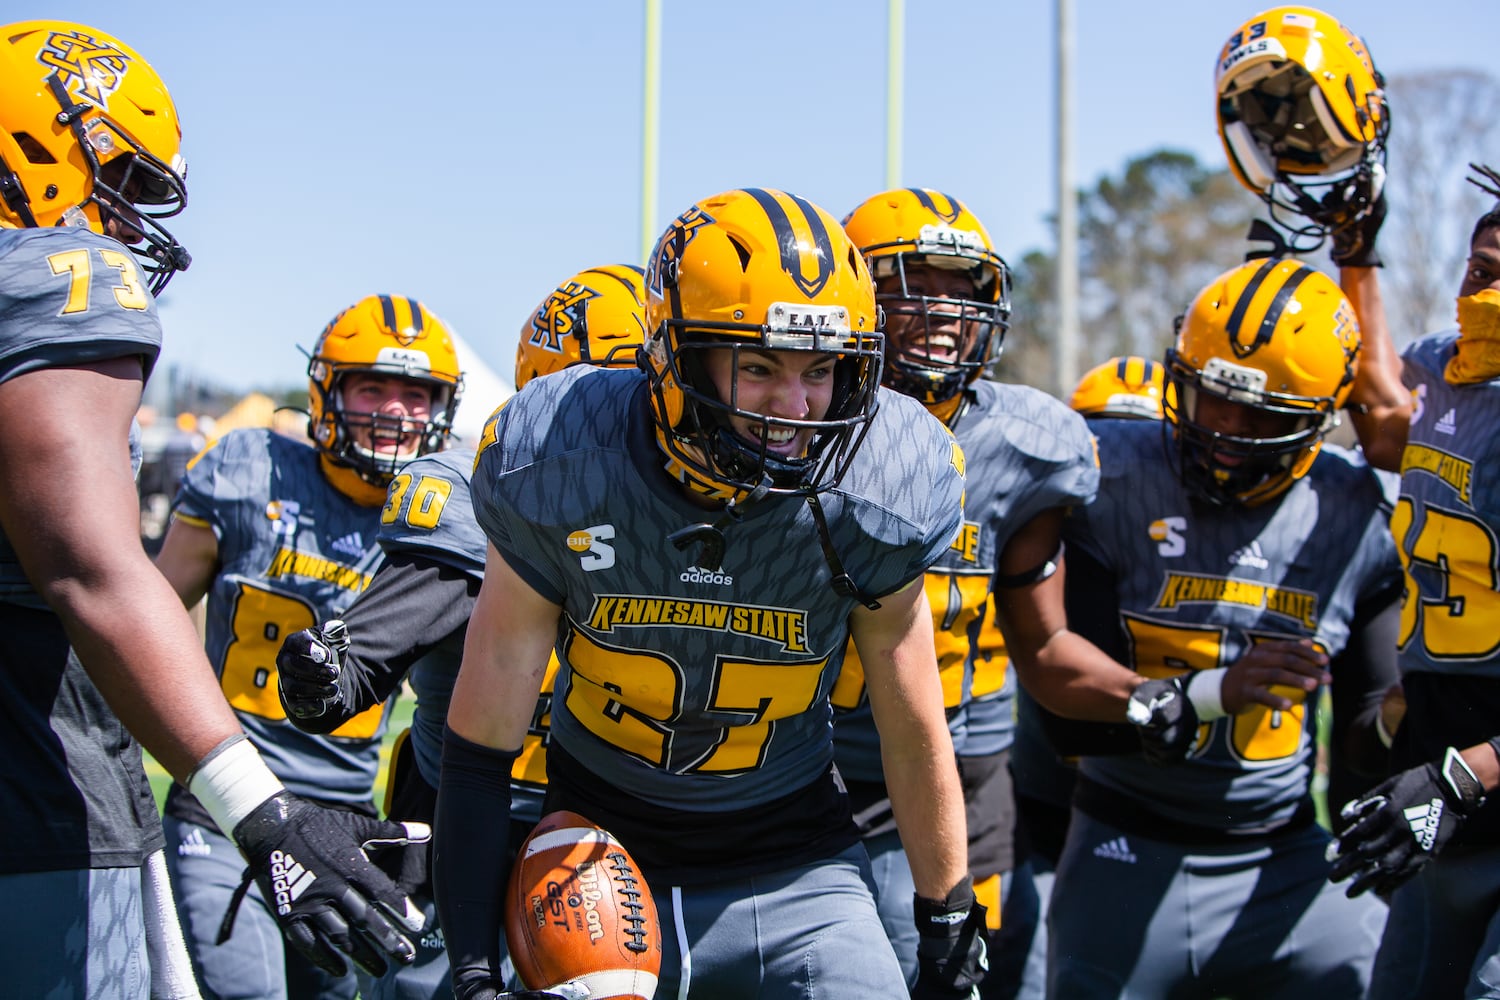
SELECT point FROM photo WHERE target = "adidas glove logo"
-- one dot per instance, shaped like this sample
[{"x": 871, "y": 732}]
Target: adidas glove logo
[
  {"x": 289, "y": 880},
  {"x": 1424, "y": 820}
]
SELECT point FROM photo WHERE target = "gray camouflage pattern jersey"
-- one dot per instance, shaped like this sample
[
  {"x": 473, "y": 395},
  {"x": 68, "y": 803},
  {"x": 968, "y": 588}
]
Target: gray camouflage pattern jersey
[{"x": 692, "y": 687}]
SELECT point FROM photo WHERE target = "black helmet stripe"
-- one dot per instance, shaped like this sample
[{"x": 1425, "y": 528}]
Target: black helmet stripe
[
  {"x": 388, "y": 313},
  {"x": 1278, "y": 305},
  {"x": 786, "y": 239},
  {"x": 416, "y": 314},
  {"x": 950, "y": 215},
  {"x": 602, "y": 272}
]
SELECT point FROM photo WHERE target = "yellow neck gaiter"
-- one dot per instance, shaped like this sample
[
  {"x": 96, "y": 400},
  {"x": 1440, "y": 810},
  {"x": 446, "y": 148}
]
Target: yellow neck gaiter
[{"x": 1478, "y": 355}]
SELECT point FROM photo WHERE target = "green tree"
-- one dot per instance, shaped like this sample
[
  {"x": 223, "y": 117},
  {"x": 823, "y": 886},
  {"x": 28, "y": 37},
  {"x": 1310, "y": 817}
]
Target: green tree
[
  {"x": 1148, "y": 240},
  {"x": 1440, "y": 122}
]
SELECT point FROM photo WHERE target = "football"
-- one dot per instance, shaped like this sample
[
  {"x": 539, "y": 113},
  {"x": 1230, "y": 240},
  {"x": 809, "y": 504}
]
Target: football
[{"x": 578, "y": 911}]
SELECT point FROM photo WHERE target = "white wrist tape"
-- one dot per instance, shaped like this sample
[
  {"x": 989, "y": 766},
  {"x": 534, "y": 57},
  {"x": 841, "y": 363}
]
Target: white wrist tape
[
  {"x": 231, "y": 781},
  {"x": 1204, "y": 690}
]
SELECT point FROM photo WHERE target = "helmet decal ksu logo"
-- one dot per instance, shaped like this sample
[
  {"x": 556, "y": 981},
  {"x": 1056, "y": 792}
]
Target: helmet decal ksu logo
[
  {"x": 666, "y": 260},
  {"x": 87, "y": 67},
  {"x": 559, "y": 315}
]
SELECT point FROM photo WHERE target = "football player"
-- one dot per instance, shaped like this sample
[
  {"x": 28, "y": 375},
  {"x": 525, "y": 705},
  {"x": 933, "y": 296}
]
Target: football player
[
  {"x": 280, "y": 534},
  {"x": 946, "y": 296},
  {"x": 90, "y": 174},
  {"x": 696, "y": 541},
  {"x": 1124, "y": 388},
  {"x": 1130, "y": 388},
  {"x": 1303, "y": 118},
  {"x": 410, "y": 621},
  {"x": 1227, "y": 568},
  {"x": 1427, "y": 835}
]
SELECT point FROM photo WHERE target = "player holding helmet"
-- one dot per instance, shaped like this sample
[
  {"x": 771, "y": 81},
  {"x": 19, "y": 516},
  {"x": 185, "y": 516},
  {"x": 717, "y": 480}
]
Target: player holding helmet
[
  {"x": 641, "y": 523},
  {"x": 90, "y": 171},
  {"x": 1226, "y": 567},
  {"x": 410, "y": 622},
  {"x": 279, "y": 535},
  {"x": 1304, "y": 120},
  {"x": 946, "y": 296}
]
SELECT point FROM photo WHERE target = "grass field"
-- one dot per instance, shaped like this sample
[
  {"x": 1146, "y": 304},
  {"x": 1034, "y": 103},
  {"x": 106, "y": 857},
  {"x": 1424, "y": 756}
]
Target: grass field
[{"x": 400, "y": 719}]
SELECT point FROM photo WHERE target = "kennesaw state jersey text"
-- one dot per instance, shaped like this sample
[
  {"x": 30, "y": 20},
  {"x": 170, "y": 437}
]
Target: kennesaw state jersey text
[
  {"x": 1198, "y": 586},
  {"x": 699, "y": 689},
  {"x": 293, "y": 552},
  {"x": 68, "y": 297},
  {"x": 1025, "y": 453}
]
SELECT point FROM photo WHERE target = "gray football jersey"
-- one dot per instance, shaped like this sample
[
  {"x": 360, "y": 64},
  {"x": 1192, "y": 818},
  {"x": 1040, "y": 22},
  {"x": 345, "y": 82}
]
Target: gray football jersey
[
  {"x": 75, "y": 794},
  {"x": 293, "y": 551},
  {"x": 699, "y": 690},
  {"x": 1446, "y": 518},
  {"x": 68, "y": 296},
  {"x": 1025, "y": 453},
  {"x": 1198, "y": 586},
  {"x": 429, "y": 512}
]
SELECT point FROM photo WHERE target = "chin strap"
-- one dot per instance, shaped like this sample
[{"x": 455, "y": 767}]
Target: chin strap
[
  {"x": 843, "y": 584},
  {"x": 710, "y": 537}
]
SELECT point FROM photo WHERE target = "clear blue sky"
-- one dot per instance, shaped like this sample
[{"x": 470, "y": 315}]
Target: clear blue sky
[{"x": 473, "y": 155}]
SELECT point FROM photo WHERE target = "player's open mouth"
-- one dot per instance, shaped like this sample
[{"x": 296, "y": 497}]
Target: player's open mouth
[
  {"x": 938, "y": 347},
  {"x": 778, "y": 440}
]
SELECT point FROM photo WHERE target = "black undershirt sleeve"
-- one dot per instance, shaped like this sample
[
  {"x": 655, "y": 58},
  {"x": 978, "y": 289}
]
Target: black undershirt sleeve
[
  {"x": 411, "y": 605},
  {"x": 1362, "y": 672}
]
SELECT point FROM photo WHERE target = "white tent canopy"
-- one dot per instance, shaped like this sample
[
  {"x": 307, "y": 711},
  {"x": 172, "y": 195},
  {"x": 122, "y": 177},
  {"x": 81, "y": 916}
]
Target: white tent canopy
[{"x": 484, "y": 391}]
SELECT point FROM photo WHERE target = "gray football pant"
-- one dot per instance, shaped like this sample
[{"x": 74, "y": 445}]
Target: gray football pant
[
  {"x": 74, "y": 934},
  {"x": 1443, "y": 935},
  {"x": 1142, "y": 918},
  {"x": 788, "y": 935}
]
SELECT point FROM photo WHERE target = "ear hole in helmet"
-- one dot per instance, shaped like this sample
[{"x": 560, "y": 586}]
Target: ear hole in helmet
[
  {"x": 35, "y": 151},
  {"x": 742, "y": 251}
]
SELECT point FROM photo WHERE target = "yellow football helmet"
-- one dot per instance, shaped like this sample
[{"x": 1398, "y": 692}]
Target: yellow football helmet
[
  {"x": 89, "y": 137},
  {"x": 1122, "y": 387},
  {"x": 767, "y": 270},
  {"x": 1301, "y": 110},
  {"x": 383, "y": 335},
  {"x": 597, "y": 317},
  {"x": 905, "y": 226},
  {"x": 1280, "y": 338}
]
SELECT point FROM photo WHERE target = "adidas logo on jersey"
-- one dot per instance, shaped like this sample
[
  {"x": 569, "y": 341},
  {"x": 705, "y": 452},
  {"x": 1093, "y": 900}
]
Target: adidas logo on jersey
[
  {"x": 351, "y": 544},
  {"x": 193, "y": 845},
  {"x": 699, "y": 575},
  {"x": 1424, "y": 820},
  {"x": 289, "y": 880},
  {"x": 1447, "y": 423},
  {"x": 1116, "y": 850},
  {"x": 1250, "y": 555}
]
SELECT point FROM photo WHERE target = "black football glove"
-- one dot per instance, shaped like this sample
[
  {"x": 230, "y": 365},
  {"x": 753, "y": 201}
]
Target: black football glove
[
  {"x": 1166, "y": 720},
  {"x": 308, "y": 666},
  {"x": 951, "y": 951},
  {"x": 1355, "y": 213},
  {"x": 329, "y": 899},
  {"x": 1402, "y": 823}
]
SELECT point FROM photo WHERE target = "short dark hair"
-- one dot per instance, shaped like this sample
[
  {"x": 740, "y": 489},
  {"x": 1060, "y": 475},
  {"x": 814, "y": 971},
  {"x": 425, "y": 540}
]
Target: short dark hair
[{"x": 1486, "y": 179}]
